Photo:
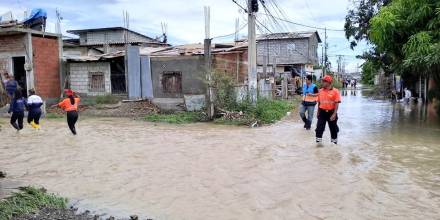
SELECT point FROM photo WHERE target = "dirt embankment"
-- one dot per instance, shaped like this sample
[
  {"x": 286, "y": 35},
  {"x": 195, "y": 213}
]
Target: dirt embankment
[{"x": 121, "y": 109}]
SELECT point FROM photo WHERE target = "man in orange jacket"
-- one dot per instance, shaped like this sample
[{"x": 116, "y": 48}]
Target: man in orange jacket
[{"x": 328, "y": 104}]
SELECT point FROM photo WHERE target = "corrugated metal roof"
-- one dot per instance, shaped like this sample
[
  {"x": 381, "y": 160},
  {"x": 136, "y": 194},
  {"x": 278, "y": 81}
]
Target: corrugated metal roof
[{"x": 288, "y": 35}]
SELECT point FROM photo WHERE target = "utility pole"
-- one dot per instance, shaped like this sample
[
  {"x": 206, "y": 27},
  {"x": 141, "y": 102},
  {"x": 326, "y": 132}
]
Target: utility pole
[
  {"x": 237, "y": 29},
  {"x": 207, "y": 53},
  {"x": 252, "y": 51},
  {"x": 325, "y": 51}
]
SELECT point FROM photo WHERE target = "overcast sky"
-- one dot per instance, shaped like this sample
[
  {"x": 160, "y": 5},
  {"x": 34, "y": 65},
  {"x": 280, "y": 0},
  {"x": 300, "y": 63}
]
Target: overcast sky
[{"x": 185, "y": 19}]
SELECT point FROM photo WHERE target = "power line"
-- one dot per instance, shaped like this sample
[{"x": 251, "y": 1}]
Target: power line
[
  {"x": 276, "y": 25},
  {"x": 227, "y": 35},
  {"x": 299, "y": 24},
  {"x": 264, "y": 26},
  {"x": 245, "y": 9}
]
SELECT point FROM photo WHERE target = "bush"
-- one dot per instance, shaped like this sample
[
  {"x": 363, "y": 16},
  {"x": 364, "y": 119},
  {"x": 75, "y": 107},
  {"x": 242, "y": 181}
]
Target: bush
[
  {"x": 28, "y": 200},
  {"x": 264, "y": 112},
  {"x": 177, "y": 118}
]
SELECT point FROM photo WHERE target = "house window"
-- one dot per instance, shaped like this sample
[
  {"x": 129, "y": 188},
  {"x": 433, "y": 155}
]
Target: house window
[
  {"x": 96, "y": 82},
  {"x": 172, "y": 82}
]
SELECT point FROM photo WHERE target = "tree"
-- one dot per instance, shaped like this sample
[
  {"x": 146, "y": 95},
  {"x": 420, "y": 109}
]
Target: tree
[
  {"x": 369, "y": 70},
  {"x": 408, "y": 31},
  {"x": 357, "y": 21}
]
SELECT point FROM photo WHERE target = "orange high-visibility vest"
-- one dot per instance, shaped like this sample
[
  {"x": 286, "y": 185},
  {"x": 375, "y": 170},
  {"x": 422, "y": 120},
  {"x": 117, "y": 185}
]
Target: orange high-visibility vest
[
  {"x": 309, "y": 90},
  {"x": 328, "y": 98},
  {"x": 67, "y": 106}
]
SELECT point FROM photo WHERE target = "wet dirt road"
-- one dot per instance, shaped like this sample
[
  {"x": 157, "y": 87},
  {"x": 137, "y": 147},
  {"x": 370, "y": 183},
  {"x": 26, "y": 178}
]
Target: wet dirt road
[{"x": 387, "y": 166}]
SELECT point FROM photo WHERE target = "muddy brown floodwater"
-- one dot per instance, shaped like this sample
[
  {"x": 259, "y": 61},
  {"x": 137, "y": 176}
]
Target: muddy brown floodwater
[{"x": 387, "y": 166}]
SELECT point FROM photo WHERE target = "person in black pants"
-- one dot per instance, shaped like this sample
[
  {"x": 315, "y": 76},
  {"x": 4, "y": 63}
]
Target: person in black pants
[
  {"x": 325, "y": 116},
  {"x": 328, "y": 104},
  {"x": 17, "y": 107},
  {"x": 70, "y": 105},
  {"x": 34, "y": 103},
  {"x": 72, "y": 118}
]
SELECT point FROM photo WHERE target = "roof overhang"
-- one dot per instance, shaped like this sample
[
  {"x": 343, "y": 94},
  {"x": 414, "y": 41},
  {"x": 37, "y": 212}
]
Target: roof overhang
[{"x": 15, "y": 30}]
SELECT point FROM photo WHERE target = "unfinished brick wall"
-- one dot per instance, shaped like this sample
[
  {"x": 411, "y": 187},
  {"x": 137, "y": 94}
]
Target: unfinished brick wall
[
  {"x": 12, "y": 43},
  {"x": 9, "y": 45},
  {"x": 227, "y": 63},
  {"x": 46, "y": 66}
]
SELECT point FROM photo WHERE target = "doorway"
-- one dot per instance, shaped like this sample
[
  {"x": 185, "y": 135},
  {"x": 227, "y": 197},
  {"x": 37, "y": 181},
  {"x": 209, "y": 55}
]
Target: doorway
[
  {"x": 20, "y": 73},
  {"x": 117, "y": 76}
]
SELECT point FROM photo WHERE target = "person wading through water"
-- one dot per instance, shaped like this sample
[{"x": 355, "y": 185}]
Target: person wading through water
[
  {"x": 34, "y": 103},
  {"x": 310, "y": 98},
  {"x": 70, "y": 105},
  {"x": 328, "y": 104},
  {"x": 17, "y": 107}
]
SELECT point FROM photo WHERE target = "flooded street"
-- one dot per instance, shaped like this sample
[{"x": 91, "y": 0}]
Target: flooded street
[{"x": 386, "y": 166}]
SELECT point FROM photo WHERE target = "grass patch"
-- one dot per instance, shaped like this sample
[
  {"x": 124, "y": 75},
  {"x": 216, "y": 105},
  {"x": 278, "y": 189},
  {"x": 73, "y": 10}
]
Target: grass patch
[
  {"x": 265, "y": 112},
  {"x": 270, "y": 111},
  {"x": 28, "y": 200},
  {"x": 107, "y": 99},
  {"x": 177, "y": 118}
]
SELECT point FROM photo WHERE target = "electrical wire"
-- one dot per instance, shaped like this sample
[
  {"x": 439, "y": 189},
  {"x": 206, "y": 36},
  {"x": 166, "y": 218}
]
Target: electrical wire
[
  {"x": 228, "y": 35},
  {"x": 299, "y": 24}
]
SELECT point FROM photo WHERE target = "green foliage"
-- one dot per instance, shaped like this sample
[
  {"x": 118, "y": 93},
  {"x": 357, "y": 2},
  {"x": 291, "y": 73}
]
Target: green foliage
[
  {"x": 177, "y": 118},
  {"x": 28, "y": 200},
  {"x": 369, "y": 70},
  {"x": 107, "y": 99},
  {"x": 264, "y": 112},
  {"x": 405, "y": 35},
  {"x": 224, "y": 86},
  {"x": 357, "y": 21},
  {"x": 408, "y": 30},
  {"x": 270, "y": 111}
]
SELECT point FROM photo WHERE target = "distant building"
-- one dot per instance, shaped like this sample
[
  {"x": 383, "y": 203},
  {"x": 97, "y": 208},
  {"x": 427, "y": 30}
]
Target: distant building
[
  {"x": 33, "y": 58},
  {"x": 96, "y": 61},
  {"x": 289, "y": 52},
  {"x": 106, "y": 40}
]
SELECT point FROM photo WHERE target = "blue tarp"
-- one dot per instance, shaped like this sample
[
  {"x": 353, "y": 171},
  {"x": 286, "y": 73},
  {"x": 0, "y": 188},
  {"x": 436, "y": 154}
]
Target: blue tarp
[{"x": 37, "y": 13}]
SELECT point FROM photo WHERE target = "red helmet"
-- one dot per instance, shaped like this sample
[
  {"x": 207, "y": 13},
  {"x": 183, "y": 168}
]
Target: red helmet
[
  {"x": 68, "y": 92},
  {"x": 327, "y": 78}
]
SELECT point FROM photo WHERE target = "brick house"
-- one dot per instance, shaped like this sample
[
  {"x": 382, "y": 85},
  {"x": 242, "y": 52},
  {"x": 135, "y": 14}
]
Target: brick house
[{"x": 33, "y": 58}]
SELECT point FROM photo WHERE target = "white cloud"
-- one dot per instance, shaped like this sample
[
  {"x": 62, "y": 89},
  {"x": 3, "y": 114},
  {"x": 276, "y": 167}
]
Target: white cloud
[{"x": 185, "y": 19}]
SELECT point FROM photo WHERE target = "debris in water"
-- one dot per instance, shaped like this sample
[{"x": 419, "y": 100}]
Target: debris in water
[{"x": 2, "y": 174}]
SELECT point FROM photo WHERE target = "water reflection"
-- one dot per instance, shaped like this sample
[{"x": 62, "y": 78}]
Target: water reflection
[{"x": 385, "y": 167}]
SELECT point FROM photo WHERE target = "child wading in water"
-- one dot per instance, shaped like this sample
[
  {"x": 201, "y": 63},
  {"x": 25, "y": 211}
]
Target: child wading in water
[
  {"x": 34, "y": 104},
  {"x": 17, "y": 107},
  {"x": 70, "y": 105}
]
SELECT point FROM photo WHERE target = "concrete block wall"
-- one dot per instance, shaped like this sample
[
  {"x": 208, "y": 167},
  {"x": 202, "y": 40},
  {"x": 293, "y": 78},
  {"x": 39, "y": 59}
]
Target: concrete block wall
[
  {"x": 79, "y": 77},
  {"x": 46, "y": 66},
  {"x": 193, "y": 75}
]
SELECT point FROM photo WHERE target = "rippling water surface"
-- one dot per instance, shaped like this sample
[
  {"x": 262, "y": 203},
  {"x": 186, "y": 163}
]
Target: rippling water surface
[{"x": 387, "y": 166}]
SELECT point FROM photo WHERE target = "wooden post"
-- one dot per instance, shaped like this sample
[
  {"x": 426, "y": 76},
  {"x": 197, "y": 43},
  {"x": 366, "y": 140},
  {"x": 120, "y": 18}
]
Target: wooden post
[{"x": 208, "y": 58}]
